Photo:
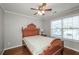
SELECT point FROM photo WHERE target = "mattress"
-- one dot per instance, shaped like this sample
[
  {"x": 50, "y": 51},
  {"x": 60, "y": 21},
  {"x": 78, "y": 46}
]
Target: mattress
[{"x": 36, "y": 44}]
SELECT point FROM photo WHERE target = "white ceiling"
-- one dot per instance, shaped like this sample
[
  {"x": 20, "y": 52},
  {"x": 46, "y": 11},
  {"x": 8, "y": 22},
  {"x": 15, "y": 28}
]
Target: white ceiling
[{"x": 24, "y": 8}]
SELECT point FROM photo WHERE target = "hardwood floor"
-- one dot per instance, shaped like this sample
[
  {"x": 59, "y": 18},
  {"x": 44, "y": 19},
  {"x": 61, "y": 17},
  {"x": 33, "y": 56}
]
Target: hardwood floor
[
  {"x": 17, "y": 51},
  {"x": 24, "y": 51},
  {"x": 70, "y": 52}
]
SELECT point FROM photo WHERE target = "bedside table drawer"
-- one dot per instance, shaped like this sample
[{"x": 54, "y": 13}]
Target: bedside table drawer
[{"x": 43, "y": 35}]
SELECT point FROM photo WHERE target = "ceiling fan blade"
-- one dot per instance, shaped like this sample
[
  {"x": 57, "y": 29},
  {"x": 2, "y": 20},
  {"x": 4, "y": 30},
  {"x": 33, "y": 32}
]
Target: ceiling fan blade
[
  {"x": 48, "y": 9},
  {"x": 33, "y": 8},
  {"x": 35, "y": 13},
  {"x": 43, "y": 5}
]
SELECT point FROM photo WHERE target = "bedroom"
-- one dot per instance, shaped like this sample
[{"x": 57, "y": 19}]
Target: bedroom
[{"x": 15, "y": 16}]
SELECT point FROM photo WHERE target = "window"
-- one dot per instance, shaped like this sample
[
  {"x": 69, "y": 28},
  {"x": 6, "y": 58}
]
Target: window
[
  {"x": 67, "y": 28},
  {"x": 56, "y": 28}
]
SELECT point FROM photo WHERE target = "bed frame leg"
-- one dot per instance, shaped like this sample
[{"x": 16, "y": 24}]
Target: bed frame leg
[
  {"x": 22, "y": 43},
  {"x": 62, "y": 51}
]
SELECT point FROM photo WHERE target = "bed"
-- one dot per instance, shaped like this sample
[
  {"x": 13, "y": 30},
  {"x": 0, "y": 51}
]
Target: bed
[{"x": 40, "y": 45}]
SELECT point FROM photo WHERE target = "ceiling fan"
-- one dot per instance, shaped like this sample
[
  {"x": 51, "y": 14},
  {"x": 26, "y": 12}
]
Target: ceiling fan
[{"x": 41, "y": 9}]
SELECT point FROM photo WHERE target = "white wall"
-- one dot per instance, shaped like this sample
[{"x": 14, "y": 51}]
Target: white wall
[
  {"x": 47, "y": 26},
  {"x": 13, "y": 25},
  {"x": 72, "y": 45},
  {"x": 1, "y": 30}
]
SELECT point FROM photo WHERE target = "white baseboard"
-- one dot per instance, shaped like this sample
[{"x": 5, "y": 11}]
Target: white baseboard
[
  {"x": 72, "y": 48},
  {"x": 12, "y": 47},
  {"x": 2, "y": 52}
]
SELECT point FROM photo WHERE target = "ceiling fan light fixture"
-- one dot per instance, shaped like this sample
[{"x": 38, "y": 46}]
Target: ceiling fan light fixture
[
  {"x": 39, "y": 13},
  {"x": 43, "y": 12},
  {"x": 41, "y": 9}
]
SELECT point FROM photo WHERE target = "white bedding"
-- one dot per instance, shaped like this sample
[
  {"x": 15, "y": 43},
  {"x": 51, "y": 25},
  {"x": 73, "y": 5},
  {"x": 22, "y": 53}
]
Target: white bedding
[{"x": 37, "y": 44}]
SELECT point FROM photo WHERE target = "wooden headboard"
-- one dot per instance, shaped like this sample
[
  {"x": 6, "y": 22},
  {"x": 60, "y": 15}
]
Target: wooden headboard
[{"x": 30, "y": 30}]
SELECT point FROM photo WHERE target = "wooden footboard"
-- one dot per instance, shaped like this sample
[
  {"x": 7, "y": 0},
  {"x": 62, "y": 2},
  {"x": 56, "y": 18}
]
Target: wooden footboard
[
  {"x": 56, "y": 48},
  {"x": 60, "y": 50}
]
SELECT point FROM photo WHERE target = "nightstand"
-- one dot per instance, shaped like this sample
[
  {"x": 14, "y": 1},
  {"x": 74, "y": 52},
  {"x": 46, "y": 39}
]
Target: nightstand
[{"x": 43, "y": 35}]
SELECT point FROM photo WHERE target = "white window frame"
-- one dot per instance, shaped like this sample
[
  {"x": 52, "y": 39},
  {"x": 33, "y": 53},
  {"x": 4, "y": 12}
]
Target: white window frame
[{"x": 65, "y": 28}]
